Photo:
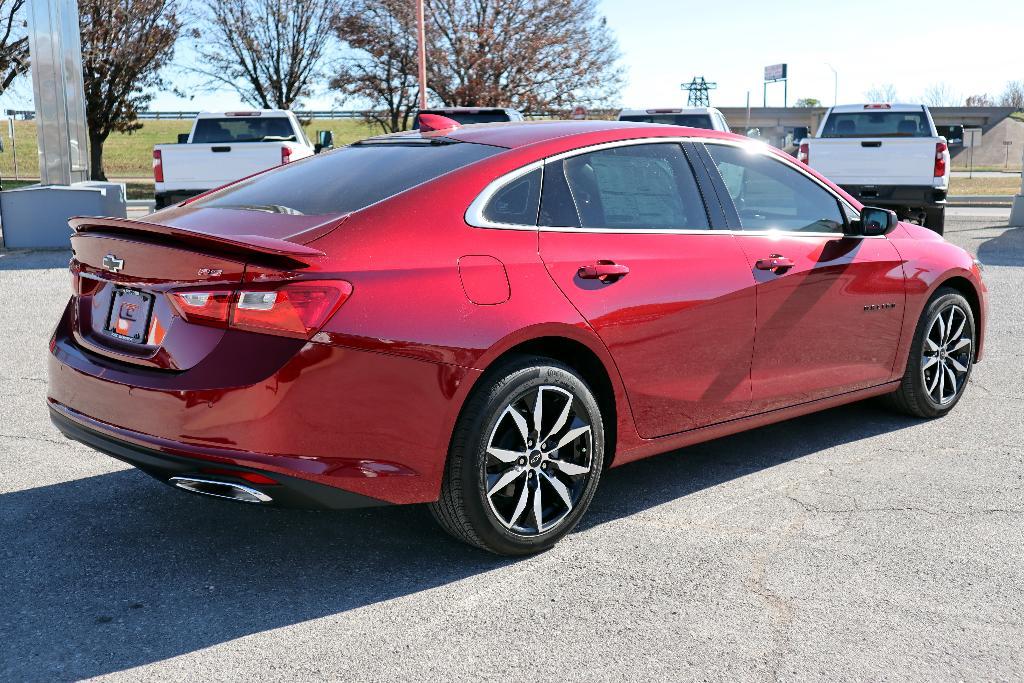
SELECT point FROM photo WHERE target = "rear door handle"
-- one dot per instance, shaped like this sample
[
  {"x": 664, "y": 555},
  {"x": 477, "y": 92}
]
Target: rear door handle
[
  {"x": 605, "y": 271},
  {"x": 775, "y": 263},
  {"x": 220, "y": 149}
]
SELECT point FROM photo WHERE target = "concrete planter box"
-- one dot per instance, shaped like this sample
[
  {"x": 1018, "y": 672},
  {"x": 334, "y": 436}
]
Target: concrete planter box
[{"x": 36, "y": 216}]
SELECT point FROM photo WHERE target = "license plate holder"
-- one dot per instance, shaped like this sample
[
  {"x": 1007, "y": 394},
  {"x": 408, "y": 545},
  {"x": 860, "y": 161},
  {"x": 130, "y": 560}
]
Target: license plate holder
[{"x": 130, "y": 311}]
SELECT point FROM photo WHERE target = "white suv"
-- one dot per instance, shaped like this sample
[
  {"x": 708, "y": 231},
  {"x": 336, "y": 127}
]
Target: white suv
[{"x": 693, "y": 117}]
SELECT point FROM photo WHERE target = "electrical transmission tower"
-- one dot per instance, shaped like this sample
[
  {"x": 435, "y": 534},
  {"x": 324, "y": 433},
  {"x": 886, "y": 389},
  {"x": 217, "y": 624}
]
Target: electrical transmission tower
[{"x": 699, "y": 92}]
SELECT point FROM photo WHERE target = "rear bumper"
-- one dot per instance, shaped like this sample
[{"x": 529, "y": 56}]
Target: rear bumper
[
  {"x": 372, "y": 424},
  {"x": 901, "y": 196},
  {"x": 289, "y": 492}
]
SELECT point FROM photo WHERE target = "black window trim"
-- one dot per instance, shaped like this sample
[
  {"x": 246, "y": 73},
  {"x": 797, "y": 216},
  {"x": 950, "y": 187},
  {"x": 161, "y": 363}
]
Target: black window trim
[{"x": 474, "y": 213}]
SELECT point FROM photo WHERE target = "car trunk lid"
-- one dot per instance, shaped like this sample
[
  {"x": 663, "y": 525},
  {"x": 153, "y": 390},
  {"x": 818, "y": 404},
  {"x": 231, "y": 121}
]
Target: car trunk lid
[{"x": 126, "y": 270}]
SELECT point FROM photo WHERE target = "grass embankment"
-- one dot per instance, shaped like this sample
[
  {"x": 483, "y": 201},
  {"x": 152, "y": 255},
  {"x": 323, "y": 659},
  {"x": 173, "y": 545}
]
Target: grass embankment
[
  {"x": 130, "y": 155},
  {"x": 988, "y": 185}
]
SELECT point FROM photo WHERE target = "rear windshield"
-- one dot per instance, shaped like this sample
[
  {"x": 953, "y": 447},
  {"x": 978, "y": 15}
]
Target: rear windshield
[
  {"x": 877, "y": 124},
  {"x": 347, "y": 179},
  {"x": 690, "y": 120},
  {"x": 487, "y": 116},
  {"x": 243, "y": 129}
]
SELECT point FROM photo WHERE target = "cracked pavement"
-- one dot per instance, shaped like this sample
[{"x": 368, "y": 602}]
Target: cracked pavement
[{"x": 851, "y": 544}]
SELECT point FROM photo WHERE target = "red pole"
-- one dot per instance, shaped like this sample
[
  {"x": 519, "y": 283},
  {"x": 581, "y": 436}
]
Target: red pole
[{"x": 422, "y": 56}]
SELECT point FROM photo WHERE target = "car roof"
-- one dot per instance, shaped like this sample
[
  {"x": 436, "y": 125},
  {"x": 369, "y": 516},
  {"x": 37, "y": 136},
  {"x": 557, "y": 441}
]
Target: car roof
[
  {"x": 567, "y": 134},
  {"x": 877, "y": 107}
]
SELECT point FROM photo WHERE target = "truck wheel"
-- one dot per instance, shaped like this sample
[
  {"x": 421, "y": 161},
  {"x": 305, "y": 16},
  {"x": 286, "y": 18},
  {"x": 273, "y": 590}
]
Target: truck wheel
[
  {"x": 160, "y": 201},
  {"x": 935, "y": 219}
]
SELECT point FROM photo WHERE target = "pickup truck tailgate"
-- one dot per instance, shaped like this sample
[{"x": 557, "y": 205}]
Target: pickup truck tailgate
[
  {"x": 210, "y": 165},
  {"x": 878, "y": 161}
]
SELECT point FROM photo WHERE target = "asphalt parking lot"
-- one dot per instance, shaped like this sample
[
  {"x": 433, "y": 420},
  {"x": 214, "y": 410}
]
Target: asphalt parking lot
[{"x": 851, "y": 544}]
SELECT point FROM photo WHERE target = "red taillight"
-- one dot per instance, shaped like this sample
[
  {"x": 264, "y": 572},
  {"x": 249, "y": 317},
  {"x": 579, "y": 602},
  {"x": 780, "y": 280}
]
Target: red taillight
[
  {"x": 296, "y": 309},
  {"x": 206, "y": 308},
  {"x": 76, "y": 277},
  {"x": 804, "y": 154},
  {"x": 940, "y": 159},
  {"x": 158, "y": 166},
  {"x": 286, "y": 155}
]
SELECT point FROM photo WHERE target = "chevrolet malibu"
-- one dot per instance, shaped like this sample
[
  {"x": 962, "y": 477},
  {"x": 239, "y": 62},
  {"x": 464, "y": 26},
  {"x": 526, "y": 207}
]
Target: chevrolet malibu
[{"x": 485, "y": 318}]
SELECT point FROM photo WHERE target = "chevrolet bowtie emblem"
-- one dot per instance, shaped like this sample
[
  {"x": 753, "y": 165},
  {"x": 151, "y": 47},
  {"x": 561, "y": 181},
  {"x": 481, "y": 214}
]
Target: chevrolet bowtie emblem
[{"x": 112, "y": 263}]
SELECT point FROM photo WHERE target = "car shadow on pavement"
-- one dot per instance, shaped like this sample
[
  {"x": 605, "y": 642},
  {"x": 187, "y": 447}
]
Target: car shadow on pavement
[
  {"x": 1005, "y": 250},
  {"x": 664, "y": 478},
  {"x": 114, "y": 571}
]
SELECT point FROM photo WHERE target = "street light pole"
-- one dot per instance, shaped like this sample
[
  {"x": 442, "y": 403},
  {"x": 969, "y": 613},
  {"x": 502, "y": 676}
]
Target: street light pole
[
  {"x": 835, "y": 81},
  {"x": 422, "y": 53},
  {"x": 1017, "y": 209}
]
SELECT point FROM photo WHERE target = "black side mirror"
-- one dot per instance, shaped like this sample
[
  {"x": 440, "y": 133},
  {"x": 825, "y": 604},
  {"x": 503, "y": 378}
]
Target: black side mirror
[
  {"x": 873, "y": 222},
  {"x": 324, "y": 140},
  {"x": 182, "y": 138}
]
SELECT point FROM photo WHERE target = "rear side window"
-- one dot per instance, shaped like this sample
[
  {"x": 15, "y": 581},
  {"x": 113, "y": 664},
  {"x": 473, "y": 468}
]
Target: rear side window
[
  {"x": 347, "y": 179},
  {"x": 243, "y": 129},
  {"x": 517, "y": 202},
  {"x": 690, "y": 120},
  {"x": 769, "y": 195},
  {"x": 877, "y": 124},
  {"x": 635, "y": 187}
]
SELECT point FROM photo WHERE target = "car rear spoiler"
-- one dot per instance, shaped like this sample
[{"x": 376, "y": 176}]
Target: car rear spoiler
[{"x": 268, "y": 248}]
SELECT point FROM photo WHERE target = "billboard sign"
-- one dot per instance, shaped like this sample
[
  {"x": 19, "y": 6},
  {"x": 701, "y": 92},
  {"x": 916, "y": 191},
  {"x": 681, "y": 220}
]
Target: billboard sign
[{"x": 775, "y": 72}]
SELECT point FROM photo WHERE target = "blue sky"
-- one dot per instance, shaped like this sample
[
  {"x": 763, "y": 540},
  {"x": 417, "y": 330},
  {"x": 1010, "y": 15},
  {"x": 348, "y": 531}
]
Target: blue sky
[{"x": 974, "y": 47}]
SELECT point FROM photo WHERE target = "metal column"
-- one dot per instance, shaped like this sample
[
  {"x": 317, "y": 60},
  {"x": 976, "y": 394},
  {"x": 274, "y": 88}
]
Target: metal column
[{"x": 56, "y": 50}]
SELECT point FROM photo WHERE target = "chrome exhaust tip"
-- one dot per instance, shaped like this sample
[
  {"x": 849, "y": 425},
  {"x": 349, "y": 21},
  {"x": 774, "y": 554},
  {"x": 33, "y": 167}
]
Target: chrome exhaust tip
[{"x": 220, "y": 489}]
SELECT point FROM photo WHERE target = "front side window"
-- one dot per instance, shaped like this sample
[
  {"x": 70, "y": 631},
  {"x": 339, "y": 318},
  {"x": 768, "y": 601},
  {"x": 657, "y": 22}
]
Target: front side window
[
  {"x": 769, "y": 195},
  {"x": 645, "y": 186}
]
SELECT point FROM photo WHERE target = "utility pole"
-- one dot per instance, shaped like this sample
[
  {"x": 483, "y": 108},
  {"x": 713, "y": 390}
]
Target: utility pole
[
  {"x": 1017, "y": 212},
  {"x": 422, "y": 53},
  {"x": 835, "y": 84}
]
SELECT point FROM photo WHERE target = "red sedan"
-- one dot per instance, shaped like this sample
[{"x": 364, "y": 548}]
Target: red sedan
[{"x": 484, "y": 318}]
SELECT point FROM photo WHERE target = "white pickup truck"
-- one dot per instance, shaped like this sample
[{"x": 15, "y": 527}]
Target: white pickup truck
[
  {"x": 226, "y": 146},
  {"x": 885, "y": 155}
]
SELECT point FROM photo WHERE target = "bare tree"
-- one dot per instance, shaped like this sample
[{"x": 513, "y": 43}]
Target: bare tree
[
  {"x": 13, "y": 42},
  {"x": 941, "y": 95},
  {"x": 982, "y": 100},
  {"x": 269, "y": 51},
  {"x": 535, "y": 55},
  {"x": 1013, "y": 95},
  {"x": 125, "y": 45},
  {"x": 881, "y": 93},
  {"x": 382, "y": 68}
]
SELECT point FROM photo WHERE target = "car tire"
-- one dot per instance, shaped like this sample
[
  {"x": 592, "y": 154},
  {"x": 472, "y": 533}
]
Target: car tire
[
  {"x": 935, "y": 219},
  {"x": 500, "y": 476},
  {"x": 938, "y": 356}
]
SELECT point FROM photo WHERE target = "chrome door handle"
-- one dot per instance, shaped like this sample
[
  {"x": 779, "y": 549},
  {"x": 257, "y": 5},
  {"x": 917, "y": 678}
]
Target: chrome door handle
[{"x": 775, "y": 263}]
